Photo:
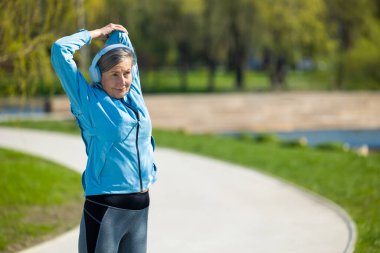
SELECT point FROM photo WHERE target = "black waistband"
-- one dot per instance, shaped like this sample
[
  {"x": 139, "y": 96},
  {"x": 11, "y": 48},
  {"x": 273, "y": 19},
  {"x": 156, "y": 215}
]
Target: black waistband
[{"x": 132, "y": 201}]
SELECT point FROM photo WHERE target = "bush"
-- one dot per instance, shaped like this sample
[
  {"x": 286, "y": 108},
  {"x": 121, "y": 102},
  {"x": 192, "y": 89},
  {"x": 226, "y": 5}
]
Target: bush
[
  {"x": 296, "y": 143},
  {"x": 267, "y": 138},
  {"x": 363, "y": 61},
  {"x": 245, "y": 137},
  {"x": 336, "y": 146}
]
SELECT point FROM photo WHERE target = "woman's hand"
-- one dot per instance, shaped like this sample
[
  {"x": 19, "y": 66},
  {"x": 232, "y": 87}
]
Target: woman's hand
[{"x": 104, "y": 32}]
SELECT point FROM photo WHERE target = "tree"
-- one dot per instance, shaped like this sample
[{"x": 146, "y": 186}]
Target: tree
[
  {"x": 236, "y": 20},
  {"x": 186, "y": 34},
  {"x": 26, "y": 34},
  {"x": 363, "y": 59},
  {"x": 214, "y": 37},
  {"x": 287, "y": 31},
  {"x": 348, "y": 20}
]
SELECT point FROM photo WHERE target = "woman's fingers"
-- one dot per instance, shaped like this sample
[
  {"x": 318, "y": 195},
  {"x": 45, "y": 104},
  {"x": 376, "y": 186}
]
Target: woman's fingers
[
  {"x": 108, "y": 29},
  {"x": 121, "y": 28},
  {"x": 105, "y": 31},
  {"x": 117, "y": 27}
]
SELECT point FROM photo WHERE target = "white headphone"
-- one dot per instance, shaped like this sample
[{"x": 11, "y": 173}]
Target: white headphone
[{"x": 94, "y": 70}]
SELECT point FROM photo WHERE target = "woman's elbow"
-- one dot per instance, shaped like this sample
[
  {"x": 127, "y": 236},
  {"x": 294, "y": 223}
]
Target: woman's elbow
[
  {"x": 58, "y": 54},
  {"x": 56, "y": 47}
]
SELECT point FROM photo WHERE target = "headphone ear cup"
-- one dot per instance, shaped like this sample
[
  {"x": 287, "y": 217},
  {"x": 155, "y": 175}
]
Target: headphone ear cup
[
  {"x": 95, "y": 73},
  {"x": 98, "y": 75},
  {"x": 91, "y": 72}
]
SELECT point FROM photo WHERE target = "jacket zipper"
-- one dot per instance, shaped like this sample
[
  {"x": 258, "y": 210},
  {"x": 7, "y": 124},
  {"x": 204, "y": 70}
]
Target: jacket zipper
[{"x": 137, "y": 139}]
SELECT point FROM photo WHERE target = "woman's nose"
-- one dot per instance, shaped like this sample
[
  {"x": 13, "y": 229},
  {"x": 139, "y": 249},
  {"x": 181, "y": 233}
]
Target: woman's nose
[{"x": 121, "y": 81}]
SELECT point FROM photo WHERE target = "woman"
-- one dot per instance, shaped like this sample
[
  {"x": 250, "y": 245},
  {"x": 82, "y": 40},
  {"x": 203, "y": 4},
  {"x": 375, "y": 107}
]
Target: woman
[{"x": 117, "y": 132}]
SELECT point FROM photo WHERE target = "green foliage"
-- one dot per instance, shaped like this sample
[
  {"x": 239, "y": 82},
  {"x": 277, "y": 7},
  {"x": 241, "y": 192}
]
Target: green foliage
[
  {"x": 292, "y": 28},
  {"x": 336, "y": 146},
  {"x": 297, "y": 143},
  {"x": 246, "y": 136},
  {"x": 201, "y": 34},
  {"x": 351, "y": 23},
  {"x": 27, "y": 32},
  {"x": 267, "y": 138},
  {"x": 363, "y": 60},
  {"x": 289, "y": 31}
]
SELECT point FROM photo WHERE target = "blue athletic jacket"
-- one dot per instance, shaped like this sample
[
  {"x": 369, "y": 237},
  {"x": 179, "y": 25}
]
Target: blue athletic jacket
[{"x": 117, "y": 132}]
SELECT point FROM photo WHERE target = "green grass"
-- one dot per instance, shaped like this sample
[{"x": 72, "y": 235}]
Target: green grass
[
  {"x": 351, "y": 181},
  {"x": 38, "y": 199},
  {"x": 66, "y": 126},
  {"x": 168, "y": 80}
]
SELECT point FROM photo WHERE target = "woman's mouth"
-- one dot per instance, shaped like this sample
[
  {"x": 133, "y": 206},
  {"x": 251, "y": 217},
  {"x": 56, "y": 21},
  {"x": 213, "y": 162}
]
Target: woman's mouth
[{"x": 125, "y": 88}]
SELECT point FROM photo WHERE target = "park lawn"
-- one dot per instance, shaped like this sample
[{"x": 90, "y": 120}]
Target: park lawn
[
  {"x": 39, "y": 199},
  {"x": 351, "y": 181},
  {"x": 168, "y": 80}
]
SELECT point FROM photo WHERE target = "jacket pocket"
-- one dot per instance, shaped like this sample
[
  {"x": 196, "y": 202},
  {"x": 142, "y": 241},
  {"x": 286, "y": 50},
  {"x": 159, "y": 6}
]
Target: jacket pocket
[{"x": 99, "y": 156}]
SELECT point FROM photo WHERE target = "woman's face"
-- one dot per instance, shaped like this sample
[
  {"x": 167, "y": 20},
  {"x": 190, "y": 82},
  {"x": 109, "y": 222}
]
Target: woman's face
[{"x": 117, "y": 81}]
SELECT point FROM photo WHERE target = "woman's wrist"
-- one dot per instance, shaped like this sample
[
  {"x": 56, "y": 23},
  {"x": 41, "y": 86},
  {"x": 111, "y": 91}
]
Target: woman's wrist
[
  {"x": 104, "y": 32},
  {"x": 95, "y": 33}
]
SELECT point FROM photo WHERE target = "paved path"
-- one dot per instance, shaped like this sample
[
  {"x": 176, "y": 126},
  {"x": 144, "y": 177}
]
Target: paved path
[{"x": 204, "y": 205}]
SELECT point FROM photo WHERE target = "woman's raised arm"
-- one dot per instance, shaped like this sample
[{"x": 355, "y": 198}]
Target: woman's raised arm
[{"x": 62, "y": 53}]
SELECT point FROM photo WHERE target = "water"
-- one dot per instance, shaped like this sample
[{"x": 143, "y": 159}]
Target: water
[
  {"x": 354, "y": 138},
  {"x": 25, "y": 112}
]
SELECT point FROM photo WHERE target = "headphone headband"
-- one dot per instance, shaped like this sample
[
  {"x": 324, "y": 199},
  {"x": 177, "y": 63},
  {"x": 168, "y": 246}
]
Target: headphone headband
[{"x": 94, "y": 70}]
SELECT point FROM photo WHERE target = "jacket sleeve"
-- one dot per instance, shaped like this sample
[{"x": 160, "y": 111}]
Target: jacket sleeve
[
  {"x": 122, "y": 38},
  {"x": 73, "y": 82}
]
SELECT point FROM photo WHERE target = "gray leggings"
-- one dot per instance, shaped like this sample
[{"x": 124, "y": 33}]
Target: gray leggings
[{"x": 107, "y": 229}]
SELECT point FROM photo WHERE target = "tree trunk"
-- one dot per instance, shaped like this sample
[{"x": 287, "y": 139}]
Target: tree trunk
[
  {"x": 278, "y": 73},
  {"x": 183, "y": 49},
  {"x": 211, "y": 77},
  {"x": 339, "y": 75},
  {"x": 239, "y": 75},
  {"x": 207, "y": 46},
  {"x": 345, "y": 43},
  {"x": 238, "y": 56},
  {"x": 183, "y": 77}
]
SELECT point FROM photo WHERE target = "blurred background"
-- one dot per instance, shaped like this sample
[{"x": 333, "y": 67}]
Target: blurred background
[
  {"x": 246, "y": 47},
  {"x": 203, "y": 45}
]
